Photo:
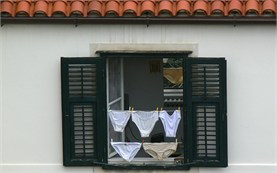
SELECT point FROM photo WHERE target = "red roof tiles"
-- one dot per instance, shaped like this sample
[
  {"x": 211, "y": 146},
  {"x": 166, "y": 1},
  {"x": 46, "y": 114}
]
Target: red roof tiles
[{"x": 136, "y": 8}]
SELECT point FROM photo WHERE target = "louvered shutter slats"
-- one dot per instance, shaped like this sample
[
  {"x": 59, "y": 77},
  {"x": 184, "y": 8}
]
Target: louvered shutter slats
[
  {"x": 82, "y": 80},
  {"x": 205, "y": 80},
  {"x": 206, "y": 104},
  {"x": 83, "y": 131},
  {"x": 81, "y": 83},
  {"x": 206, "y": 143}
]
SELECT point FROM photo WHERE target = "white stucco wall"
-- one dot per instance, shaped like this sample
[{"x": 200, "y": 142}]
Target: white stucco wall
[
  {"x": 1, "y": 103},
  {"x": 30, "y": 121}
]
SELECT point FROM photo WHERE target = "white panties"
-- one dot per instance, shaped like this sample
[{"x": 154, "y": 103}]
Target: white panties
[
  {"x": 119, "y": 119},
  {"x": 160, "y": 151},
  {"x": 145, "y": 121},
  {"x": 127, "y": 150},
  {"x": 170, "y": 123}
]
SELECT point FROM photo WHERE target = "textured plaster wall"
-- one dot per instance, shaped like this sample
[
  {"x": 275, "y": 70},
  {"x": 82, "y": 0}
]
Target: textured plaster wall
[
  {"x": 1, "y": 102},
  {"x": 31, "y": 138}
]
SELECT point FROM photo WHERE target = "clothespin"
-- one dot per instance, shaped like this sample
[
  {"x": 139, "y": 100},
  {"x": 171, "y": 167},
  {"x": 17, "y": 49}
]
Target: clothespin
[
  {"x": 142, "y": 141},
  {"x": 111, "y": 139},
  {"x": 161, "y": 109},
  {"x": 132, "y": 109},
  {"x": 157, "y": 109},
  {"x": 179, "y": 109},
  {"x": 176, "y": 140}
]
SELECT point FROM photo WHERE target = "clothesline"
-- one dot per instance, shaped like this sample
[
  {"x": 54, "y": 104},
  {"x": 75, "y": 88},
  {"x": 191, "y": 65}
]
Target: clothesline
[
  {"x": 157, "y": 109},
  {"x": 142, "y": 141}
]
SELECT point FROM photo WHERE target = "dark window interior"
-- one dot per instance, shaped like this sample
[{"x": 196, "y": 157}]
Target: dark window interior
[{"x": 149, "y": 83}]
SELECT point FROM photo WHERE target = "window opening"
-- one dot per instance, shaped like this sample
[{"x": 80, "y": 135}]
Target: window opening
[
  {"x": 145, "y": 84},
  {"x": 87, "y": 93}
]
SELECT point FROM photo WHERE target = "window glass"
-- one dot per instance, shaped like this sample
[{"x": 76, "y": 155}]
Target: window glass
[
  {"x": 115, "y": 98},
  {"x": 114, "y": 77}
]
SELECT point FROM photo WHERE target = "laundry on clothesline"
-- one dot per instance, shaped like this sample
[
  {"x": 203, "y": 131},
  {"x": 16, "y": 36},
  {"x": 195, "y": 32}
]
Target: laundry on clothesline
[
  {"x": 127, "y": 150},
  {"x": 160, "y": 151},
  {"x": 170, "y": 122},
  {"x": 145, "y": 121},
  {"x": 119, "y": 119}
]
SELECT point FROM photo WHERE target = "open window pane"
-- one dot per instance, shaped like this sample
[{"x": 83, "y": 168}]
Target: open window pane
[
  {"x": 173, "y": 82},
  {"x": 115, "y": 99},
  {"x": 115, "y": 79}
]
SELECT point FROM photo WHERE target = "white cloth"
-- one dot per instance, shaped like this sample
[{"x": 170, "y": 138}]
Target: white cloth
[
  {"x": 127, "y": 150},
  {"x": 145, "y": 121},
  {"x": 119, "y": 119},
  {"x": 170, "y": 122}
]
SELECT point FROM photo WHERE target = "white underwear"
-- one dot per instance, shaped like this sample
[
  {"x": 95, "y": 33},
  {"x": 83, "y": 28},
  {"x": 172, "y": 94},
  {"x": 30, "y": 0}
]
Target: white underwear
[
  {"x": 160, "y": 151},
  {"x": 127, "y": 150},
  {"x": 145, "y": 121},
  {"x": 170, "y": 123},
  {"x": 119, "y": 119}
]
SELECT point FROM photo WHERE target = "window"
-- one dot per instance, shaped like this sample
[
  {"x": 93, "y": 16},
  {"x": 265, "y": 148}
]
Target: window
[{"x": 144, "y": 80}]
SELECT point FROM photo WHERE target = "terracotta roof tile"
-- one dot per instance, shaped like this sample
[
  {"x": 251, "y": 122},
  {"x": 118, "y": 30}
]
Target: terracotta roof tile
[
  {"x": 218, "y": 8},
  {"x": 235, "y": 7},
  {"x": 252, "y": 6},
  {"x": 183, "y": 7},
  {"x": 136, "y": 8},
  {"x": 41, "y": 7},
  {"x": 269, "y": 6},
  {"x": 147, "y": 8},
  {"x": 200, "y": 7},
  {"x": 130, "y": 8}
]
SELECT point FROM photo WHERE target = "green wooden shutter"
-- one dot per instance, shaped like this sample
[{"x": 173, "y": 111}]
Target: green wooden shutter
[
  {"x": 205, "y": 93},
  {"x": 83, "y": 109}
]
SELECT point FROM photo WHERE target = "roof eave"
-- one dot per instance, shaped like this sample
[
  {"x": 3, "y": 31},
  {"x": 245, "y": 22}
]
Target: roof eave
[{"x": 140, "y": 20}]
